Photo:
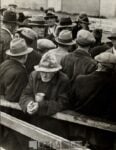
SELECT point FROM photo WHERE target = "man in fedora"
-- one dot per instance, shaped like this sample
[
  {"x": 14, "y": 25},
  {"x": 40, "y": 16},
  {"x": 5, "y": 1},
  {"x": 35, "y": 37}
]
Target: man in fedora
[
  {"x": 80, "y": 61},
  {"x": 39, "y": 25},
  {"x": 7, "y": 29},
  {"x": 65, "y": 23},
  {"x": 81, "y": 23},
  {"x": 46, "y": 94},
  {"x": 65, "y": 43},
  {"x": 30, "y": 38},
  {"x": 94, "y": 95},
  {"x": 13, "y": 79}
]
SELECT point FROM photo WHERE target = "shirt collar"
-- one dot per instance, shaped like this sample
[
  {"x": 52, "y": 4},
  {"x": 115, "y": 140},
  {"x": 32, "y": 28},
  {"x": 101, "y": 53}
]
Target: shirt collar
[{"x": 114, "y": 51}]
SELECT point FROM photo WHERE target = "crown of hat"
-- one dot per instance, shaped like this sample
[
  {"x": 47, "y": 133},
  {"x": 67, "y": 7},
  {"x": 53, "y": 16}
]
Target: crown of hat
[
  {"x": 65, "y": 21},
  {"x": 83, "y": 17},
  {"x": 85, "y": 36},
  {"x": 9, "y": 16},
  {"x": 106, "y": 57},
  {"x": 18, "y": 46},
  {"x": 29, "y": 33},
  {"x": 49, "y": 61},
  {"x": 65, "y": 35},
  {"x": 45, "y": 44}
]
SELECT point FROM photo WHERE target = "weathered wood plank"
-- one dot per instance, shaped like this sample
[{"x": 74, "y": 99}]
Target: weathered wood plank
[
  {"x": 36, "y": 133},
  {"x": 77, "y": 118}
]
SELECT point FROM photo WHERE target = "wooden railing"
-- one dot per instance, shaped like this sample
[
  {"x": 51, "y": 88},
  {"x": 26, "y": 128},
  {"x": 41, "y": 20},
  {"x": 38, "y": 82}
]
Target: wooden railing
[{"x": 38, "y": 134}]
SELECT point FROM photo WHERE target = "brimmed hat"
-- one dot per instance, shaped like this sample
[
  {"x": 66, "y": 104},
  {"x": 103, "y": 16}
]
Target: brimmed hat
[
  {"x": 18, "y": 47},
  {"x": 65, "y": 22},
  {"x": 9, "y": 17},
  {"x": 65, "y": 38},
  {"x": 37, "y": 21},
  {"x": 106, "y": 57},
  {"x": 28, "y": 33},
  {"x": 85, "y": 38},
  {"x": 48, "y": 63},
  {"x": 83, "y": 18},
  {"x": 113, "y": 34},
  {"x": 13, "y": 5},
  {"x": 45, "y": 44},
  {"x": 50, "y": 14}
]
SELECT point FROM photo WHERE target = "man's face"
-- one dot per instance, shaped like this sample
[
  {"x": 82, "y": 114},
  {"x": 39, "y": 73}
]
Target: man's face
[
  {"x": 51, "y": 21},
  {"x": 46, "y": 76},
  {"x": 114, "y": 43}
]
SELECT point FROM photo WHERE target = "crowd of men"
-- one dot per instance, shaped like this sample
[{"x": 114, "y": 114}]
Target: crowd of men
[{"x": 50, "y": 64}]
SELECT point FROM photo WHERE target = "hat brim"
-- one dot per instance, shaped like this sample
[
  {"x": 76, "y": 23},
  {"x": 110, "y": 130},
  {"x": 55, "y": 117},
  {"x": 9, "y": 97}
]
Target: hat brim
[
  {"x": 112, "y": 37},
  {"x": 42, "y": 69},
  {"x": 68, "y": 44},
  {"x": 39, "y": 25},
  {"x": 29, "y": 50},
  {"x": 65, "y": 26}
]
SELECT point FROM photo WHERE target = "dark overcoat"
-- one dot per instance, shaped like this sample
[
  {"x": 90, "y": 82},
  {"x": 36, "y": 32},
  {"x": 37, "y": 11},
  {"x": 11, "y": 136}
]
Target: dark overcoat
[{"x": 56, "y": 99}]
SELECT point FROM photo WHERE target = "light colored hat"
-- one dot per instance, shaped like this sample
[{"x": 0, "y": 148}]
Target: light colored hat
[
  {"x": 48, "y": 63},
  {"x": 28, "y": 33},
  {"x": 18, "y": 47},
  {"x": 106, "y": 57},
  {"x": 113, "y": 34},
  {"x": 45, "y": 44},
  {"x": 65, "y": 38},
  {"x": 85, "y": 38}
]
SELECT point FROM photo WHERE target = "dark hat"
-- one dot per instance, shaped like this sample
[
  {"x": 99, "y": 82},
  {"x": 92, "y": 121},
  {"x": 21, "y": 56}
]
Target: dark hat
[
  {"x": 37, "y": 21},
  {"x": 50, "y": 14},
  {"x": 9, "y": 17},
  {"x": 65, "y": 38},
  {"x": 65, "y": 22},
  {"x": 113, "y": 34},
  {"x": 83, "y": 18},
  {"x": 13, "y": 5}
]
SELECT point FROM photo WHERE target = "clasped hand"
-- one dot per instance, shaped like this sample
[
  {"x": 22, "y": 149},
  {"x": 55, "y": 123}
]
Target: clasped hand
[{"x": 32, "y": 107}]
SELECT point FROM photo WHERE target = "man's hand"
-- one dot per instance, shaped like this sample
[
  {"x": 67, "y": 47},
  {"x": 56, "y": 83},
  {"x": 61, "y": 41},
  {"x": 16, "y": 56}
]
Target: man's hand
[{"x": 32, "y": 107}]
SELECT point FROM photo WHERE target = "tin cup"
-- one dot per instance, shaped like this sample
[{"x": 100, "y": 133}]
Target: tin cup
[{"x": 39, "y": 97}]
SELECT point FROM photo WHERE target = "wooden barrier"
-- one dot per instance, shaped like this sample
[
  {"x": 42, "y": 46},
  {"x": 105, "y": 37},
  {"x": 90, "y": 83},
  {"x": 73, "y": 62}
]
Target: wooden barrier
[
  {"x": 77, "y": 118},
  {"x": 74, "y": 117},
  {"x": 38, "y": 134}
]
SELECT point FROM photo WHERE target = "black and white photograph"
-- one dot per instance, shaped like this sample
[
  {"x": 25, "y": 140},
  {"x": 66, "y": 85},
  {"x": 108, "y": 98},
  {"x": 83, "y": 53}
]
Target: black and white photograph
[{"x": 57, "y": 74}]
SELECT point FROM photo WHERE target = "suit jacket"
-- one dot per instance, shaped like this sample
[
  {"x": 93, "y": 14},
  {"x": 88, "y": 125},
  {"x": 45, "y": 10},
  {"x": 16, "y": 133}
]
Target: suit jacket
[
  {"x": 77, "y": 63},
  {"x": 94, "y": 94},
  {"x": 5, "y": 39},
  {"x": 13, "y": 78},
  {"x": 56, "y": 93}
]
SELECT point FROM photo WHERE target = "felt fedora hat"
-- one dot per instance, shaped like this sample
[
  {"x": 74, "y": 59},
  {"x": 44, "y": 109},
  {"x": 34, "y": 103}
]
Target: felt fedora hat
[
  {"x": 9, "y": 17},
  {"x": 65, "y": 38},
  {"x": 18, "y": 47},
  {"x": 83, "y": 18},
  {"x": 48, "y": 63},
  {"x": 113, "y": 34},
  {"x": 85, "y": 38},
  {"x": 50, "y": 14},
  {"x": 65, "y": 22}
]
